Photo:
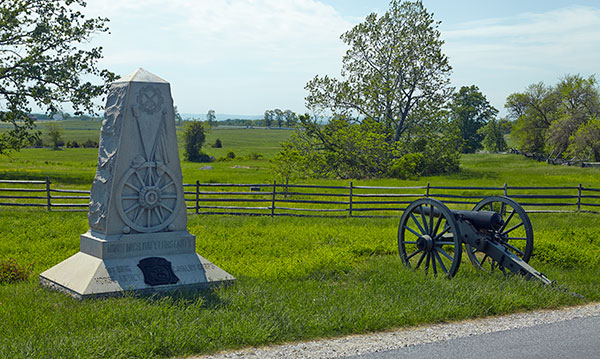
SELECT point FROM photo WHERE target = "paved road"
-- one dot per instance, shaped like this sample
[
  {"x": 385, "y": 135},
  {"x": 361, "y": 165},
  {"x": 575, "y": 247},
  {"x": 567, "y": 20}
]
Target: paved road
[
  {"x": 576, "y": 338},
  {"x": 561, "y": 333}
]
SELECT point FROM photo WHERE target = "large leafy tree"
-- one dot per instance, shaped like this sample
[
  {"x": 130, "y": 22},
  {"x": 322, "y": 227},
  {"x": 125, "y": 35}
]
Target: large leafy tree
[
  {"x": 42, "y": 63},
  {"x": 394, "y": 84},
  {"x": 394, "y": 65},
  {"x": 471, "y": 111}
]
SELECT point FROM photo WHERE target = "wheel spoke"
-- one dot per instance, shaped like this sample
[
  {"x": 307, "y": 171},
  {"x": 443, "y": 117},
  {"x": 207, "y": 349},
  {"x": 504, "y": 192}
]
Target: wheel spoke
[
  {"x": 440, "y": 243},
  {"x": 443, "y": 252},
  {"x": 136, "y": 205},
  {"x": 420, "y": 260},
  {"x": 413, "y": 254},
  {"x": 168, "y": 196},
  {"x": 437, "y": 255},
  {"x": 442, "y": 233},
  {"x": 132, "y": 186},
  {"x": 148, "y": 176},
  {"x": 167, "y": 208},
  {"x": 431, "y": 221},
  {"x": 483, "y": 259},
  {"x": 437, "y": 225},
  {"x": 427, "y": 262},
  {"x": 409, "y": 242},
  {"x": 157, "y": 212},
  {"x": 139, "y": 177},
  {"x": 424, "y": 220},
  {"x": 159, "y": 178},
  {"x": 412, "y": 231},
  {"x": 130, "y": 198},
  {"x": 417, "y": 223},
  {"x": 518, "y": 238},
  {"x": 502, "y": 208},
  {"x": 148, "y": 218},
  {"x": 137, "y": 215},
  {"x": 492, "y": 206},
  {"x": 513, "y": 228},
  {"x": 166, "y": 185},
  {"x": 513, "y": 248},
  {"x": 433, "y": 264},
  {"x": 507, "y": 220}
]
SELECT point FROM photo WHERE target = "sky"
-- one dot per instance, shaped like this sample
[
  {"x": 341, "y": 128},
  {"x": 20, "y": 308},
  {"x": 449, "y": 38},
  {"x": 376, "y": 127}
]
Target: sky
[{"x": 246, "y": 56}]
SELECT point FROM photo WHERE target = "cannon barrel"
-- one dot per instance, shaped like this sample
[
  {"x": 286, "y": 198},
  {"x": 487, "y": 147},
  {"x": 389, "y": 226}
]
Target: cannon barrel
[
  {"x": 479, "y": 219},
  {"x": 482, "y": 219}
]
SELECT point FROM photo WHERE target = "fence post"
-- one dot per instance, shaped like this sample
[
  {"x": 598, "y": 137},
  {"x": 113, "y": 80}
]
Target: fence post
[
  {"x": 273, "y": 199},
  {"x": 197, "y": 196},
  {"x": 505, "y": 190},
  {"x": 579, "y": 198},
  {"x": 427, "y": 193},
  {"x": 49, "y": 202},
  {"x": 350, "y": 202}
]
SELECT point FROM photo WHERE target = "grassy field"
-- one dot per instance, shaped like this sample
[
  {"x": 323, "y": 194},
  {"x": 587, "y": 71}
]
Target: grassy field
[{"x": 298, "y": 278}]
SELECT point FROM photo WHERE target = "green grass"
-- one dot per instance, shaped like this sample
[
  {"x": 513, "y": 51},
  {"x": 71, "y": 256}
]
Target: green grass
[{"x": 298, "y": 278}]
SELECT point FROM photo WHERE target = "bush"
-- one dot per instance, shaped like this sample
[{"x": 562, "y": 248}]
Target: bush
[
  {"x": 254, "y": 156},
  {"x": 90, "y": 144},
  {"x": 193, "y": 139},
  {"x": 407, "y": 166},
  {"x": 230, "y": 155},
  {"x": 218, "y": 144},
  {"x": 11, "y": 271}
]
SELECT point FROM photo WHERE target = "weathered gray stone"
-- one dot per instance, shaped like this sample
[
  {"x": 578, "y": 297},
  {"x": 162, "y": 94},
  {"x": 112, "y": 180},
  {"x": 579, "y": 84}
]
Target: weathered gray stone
[{"x": 137, "y": 214}]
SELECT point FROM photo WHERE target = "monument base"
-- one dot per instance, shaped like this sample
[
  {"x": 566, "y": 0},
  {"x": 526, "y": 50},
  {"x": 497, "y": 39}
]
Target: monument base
[{"x": 112, "y": 266}]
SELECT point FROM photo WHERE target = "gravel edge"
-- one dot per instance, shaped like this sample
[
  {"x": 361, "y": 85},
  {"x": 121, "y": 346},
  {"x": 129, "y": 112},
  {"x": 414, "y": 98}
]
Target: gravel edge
[{"x": 390, "y": 340}]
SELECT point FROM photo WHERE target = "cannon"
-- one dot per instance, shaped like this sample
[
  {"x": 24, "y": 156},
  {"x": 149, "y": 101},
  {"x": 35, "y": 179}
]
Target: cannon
[{"x": 497, "y": 235}]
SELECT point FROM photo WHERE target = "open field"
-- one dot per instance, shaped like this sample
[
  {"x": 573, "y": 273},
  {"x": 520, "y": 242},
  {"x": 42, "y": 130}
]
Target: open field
[{"x": 298, "y": 278}]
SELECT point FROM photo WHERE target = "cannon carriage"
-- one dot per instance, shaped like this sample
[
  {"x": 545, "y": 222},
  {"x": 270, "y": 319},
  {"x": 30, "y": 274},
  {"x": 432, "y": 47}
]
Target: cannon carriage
[{"x": 497, "y": 235}]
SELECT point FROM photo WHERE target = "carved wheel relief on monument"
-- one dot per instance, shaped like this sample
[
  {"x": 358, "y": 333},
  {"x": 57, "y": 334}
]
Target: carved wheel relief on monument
[{"x": 148, "y": 197}]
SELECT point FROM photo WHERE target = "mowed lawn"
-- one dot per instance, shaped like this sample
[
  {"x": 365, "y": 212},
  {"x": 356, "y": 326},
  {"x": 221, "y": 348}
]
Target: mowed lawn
[{"x": 298, "y": 278}]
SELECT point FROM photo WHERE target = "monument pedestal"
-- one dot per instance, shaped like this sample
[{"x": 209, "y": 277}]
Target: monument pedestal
[{"x": 110, "y": 265}]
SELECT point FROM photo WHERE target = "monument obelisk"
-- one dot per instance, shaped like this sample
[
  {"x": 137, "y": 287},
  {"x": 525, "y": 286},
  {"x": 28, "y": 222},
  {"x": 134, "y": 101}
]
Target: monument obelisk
[{"x": 137, "y": 238}]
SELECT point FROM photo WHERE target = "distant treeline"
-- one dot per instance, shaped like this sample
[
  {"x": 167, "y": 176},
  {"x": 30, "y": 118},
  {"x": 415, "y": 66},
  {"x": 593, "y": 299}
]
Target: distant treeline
[{"x": 64, "y": 116}]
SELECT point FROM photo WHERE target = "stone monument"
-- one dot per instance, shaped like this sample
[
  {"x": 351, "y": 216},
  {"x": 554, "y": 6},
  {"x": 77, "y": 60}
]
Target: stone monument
[{"x": 138, "y": 239}]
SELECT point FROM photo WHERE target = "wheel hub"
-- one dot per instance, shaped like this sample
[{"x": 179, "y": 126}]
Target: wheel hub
[
  {"x": 425, "y": 243},
  {"x": 149, "y": 197}
]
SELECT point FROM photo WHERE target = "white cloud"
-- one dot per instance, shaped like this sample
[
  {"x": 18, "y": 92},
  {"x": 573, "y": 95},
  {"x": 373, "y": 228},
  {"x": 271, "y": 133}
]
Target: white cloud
[
  {"x": 503, "y": 55},
  {"x": 249, "y": 50}
]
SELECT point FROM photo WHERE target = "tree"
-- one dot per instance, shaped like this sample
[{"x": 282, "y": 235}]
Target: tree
[
  {"x": 41, "y": 64},
  {"x": 394, "y": 66},
  {"x": 211, "y": 118},
  {"x": 178, "y": 117},
  {"x": 585, "y": 142},
  {"x": 54, "y": 133},
  {"x": 471, "y": 110},
  {"x": 279, "y": 118},
  {"x": 290, "y": 118},
  {"x": 390, "y": 100},
  {"x": 548, "y": 117},
  {"x": 493, "y": 136},
  {"x": 193, "y": 139},
  {"x": 268, "y": 119}
]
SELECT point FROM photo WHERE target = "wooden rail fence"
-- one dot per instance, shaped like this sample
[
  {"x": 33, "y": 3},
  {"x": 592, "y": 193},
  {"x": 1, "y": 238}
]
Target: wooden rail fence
[{"x": 275, "y": 199}]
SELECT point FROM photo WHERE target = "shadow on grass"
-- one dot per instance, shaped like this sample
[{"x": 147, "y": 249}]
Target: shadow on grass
[{"x": 469, "y": 174}]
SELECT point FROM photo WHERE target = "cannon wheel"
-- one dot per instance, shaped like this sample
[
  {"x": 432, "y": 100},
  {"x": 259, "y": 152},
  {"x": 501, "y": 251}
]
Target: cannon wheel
[
  {"x": 429, "y": 237},
  {"x": 516, "y": 234}
]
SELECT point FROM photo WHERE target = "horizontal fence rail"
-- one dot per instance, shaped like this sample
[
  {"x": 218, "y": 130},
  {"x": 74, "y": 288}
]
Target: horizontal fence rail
[{"x": 275, "y": 199}]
